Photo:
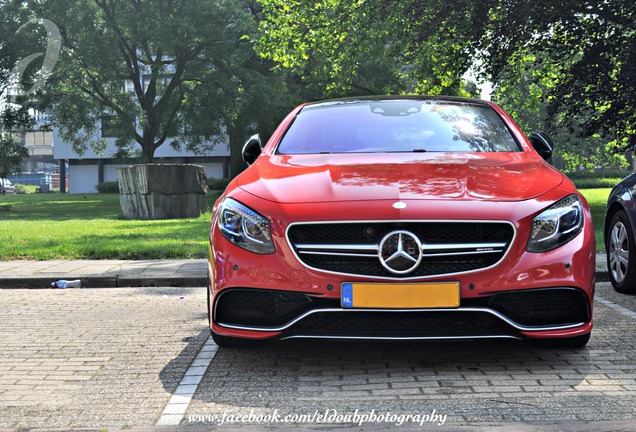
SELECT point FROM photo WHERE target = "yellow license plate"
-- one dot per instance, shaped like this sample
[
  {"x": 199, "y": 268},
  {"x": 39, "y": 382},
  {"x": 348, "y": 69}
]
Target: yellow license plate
[{"x": 400, "y": 296}]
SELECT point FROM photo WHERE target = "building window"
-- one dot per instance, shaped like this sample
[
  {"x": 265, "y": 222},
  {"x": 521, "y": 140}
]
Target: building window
[{"x": 108, "y": 127}]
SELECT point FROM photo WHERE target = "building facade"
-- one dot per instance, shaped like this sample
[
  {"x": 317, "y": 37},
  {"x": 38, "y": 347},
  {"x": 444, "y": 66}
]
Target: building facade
[{"x": 86, "y": 171}]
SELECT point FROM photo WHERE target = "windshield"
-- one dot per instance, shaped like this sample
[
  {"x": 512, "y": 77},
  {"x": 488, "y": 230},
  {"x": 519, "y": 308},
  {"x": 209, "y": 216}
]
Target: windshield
[{"x": 397, "y": 126}]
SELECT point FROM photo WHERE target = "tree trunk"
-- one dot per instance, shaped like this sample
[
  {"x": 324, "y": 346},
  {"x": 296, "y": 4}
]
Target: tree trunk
[
  {"x": 162, "y": 191},
  {"x": 237, "y": 140},
  {"x": 148, "y": 146}
]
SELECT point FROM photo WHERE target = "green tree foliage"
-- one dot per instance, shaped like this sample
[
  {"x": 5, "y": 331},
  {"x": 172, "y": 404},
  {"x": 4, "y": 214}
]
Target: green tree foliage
[
  {"x": 153, "y": 72},
  {"x": 16, "y": 43},
  {"x": 580, "y": 80},
  {"x": 590, "y": 49},
  {"x": 10, "y": 21},
  {"x": 256, "y": 94},
  {"x": 180, "y": 73},
  {"x": 523, "y": 90},
  {"x": 13, "y": 118},
  {"x": 374, "y": 46},
  {"x": 11, "y": 150}
]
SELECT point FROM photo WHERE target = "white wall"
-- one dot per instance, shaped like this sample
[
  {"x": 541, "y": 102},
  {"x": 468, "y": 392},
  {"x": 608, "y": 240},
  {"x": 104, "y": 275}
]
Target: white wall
[
  {"x": 213, "y": 170},
  {"x": 84, "y": 178},
  {"x": 110, "y": 171}
]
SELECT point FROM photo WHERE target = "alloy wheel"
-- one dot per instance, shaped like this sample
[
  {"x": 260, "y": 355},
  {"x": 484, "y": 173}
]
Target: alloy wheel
[{"x": 619, "y": 252}]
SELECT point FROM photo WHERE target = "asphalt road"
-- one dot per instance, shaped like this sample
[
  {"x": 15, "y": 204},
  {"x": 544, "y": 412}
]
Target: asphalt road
[{"x": 112, "y": 359}]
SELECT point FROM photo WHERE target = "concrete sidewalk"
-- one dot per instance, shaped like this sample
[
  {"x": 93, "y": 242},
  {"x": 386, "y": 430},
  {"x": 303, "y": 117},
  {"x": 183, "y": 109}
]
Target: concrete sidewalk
[
  {"x": 104, "y": 273},
  {"x": 122, "y": 273}
]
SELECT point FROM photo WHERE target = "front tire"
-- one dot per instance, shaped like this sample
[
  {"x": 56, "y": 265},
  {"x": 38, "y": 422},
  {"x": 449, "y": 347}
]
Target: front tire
[{"x": 621, "y": 254}]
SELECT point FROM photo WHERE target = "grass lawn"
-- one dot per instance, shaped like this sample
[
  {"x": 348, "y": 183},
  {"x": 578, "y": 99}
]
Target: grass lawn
[
  {"x": 62, "y": 226},
  {"x": 91, "y": 226},
  {"x": 597, "y": 198}
]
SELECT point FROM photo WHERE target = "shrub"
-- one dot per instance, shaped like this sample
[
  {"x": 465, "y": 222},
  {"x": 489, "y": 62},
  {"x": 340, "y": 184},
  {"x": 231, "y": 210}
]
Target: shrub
[
  {"x": 602, "y": 173},
  {"x": 108, "y": 187},
  {"x": 595, "y": 183},
  {"x": 218, "y": 184},
  {"x": 20, "y": 189}
]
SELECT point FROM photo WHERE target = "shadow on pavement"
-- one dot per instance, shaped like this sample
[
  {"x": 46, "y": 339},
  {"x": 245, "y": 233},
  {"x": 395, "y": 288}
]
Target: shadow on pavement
[{"x": 172, "y": 373}]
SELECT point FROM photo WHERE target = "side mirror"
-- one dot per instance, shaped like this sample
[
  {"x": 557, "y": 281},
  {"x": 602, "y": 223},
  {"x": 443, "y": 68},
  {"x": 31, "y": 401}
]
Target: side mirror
[
  {"x": 252, "y": 149},
  {"x": 543, "y": 144}
]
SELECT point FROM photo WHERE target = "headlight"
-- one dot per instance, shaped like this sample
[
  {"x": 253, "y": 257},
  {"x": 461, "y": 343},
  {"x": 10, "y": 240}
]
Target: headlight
[
  {"x": 245, "y": 228},
  {"x": 556, "y": 226}
]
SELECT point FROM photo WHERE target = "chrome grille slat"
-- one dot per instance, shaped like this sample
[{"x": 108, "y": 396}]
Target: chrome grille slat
[
  {"x": 336, "y": 247},
  {"x": 476, "y": 246},
  {"x": 341, "y": 311},
  {"x": 326, "y": 253},
  {"x": 451, "y": 249},
  {"x": 461, "y": 253}
]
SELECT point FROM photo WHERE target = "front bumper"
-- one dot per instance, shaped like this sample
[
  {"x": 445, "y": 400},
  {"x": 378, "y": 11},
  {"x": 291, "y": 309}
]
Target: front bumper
[{"x": 517, "y": 315}]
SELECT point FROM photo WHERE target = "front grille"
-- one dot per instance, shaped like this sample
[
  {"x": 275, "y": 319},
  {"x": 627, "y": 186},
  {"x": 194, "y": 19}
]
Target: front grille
[{"x": 447, "y": 247}]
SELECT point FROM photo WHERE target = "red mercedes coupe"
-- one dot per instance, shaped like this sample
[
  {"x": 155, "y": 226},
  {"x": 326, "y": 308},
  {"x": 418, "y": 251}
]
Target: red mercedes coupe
[{"x": 401, "y": 218}]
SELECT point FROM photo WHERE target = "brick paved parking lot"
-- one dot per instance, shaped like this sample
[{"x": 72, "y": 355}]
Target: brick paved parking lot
[
  {"x": 95, "y": 357},
  {"x": 104, "y": 358}
]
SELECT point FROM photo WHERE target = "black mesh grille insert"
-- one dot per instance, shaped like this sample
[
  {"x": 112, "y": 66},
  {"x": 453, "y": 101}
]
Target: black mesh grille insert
[
  {"x": 254, "y": 307},
  {"x": 429, "y": 233},
  {"x": 552, "y": 306},
  {"x": 401, "y": 324}
]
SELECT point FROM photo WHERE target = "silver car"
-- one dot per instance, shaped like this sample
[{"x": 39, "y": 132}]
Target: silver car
[{"x": 6, "y": 187}]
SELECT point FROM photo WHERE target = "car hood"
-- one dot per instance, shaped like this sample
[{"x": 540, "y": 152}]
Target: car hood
[{"x": 399, "y": 176}]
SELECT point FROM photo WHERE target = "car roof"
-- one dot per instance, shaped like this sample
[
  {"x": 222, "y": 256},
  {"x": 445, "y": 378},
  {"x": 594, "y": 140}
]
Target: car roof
[{"x": 362, "y": 99}]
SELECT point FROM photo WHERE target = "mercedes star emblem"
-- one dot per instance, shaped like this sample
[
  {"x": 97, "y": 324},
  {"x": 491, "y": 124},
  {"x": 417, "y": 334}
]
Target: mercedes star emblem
[{"x": 400, "y": 252}]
